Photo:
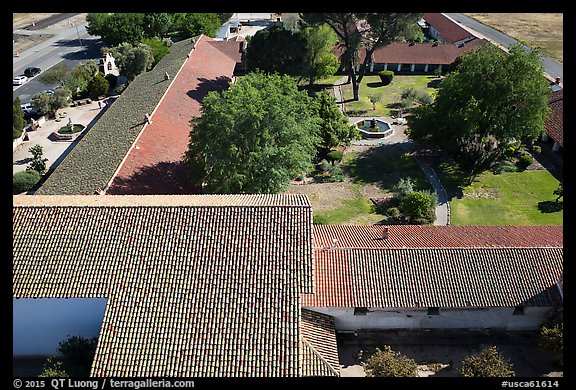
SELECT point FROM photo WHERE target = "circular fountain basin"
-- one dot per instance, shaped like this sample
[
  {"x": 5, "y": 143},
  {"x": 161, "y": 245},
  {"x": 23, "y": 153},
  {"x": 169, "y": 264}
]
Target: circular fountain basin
[{"x": 374, "y": 128}]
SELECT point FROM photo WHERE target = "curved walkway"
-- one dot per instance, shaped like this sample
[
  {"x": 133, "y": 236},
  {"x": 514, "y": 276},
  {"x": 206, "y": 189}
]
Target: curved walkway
[{"x": 399, "y": 138}]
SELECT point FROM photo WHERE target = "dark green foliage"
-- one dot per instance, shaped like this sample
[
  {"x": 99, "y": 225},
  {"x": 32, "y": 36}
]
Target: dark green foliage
[
  {"x": 488, "y": 363},
  {"x": 524, "y": 161},
  {"x": 330, "y": 172},
  {"x": 112, "y": 80},
  {"x": 192, "y": 24},
  {"x": 75, "y": 356},
  {"x": 24, "y": 181},
  {"x": 319, "y": 59},
  {"x": 38, "y": 163},
  {"x": 56, "y": 74},
  {"x": 254, "y": 137},
  {"x": 132, "y": 60},
  {"x": 334, "y": 127},
  {"x": 335, "y": 155},
  {"x": 504, "y": 166},
  {"x": 386, "y": 77},
  {"x": 559, "y": 192},
  {"x": 276, "y": 50},
  {"x": 491, "y": 94},
  {"x": 158, "y": 48},
  {"x": 116, "y": 28},
  {"x": 551, "y": 338},
  {"x": 98, "y": 86},
  {"x": 116, "y": 129},
  {"x": 417, "y": 207},
  {"x": 389, "y": 363},
  {"x": 18, "y": 122}
]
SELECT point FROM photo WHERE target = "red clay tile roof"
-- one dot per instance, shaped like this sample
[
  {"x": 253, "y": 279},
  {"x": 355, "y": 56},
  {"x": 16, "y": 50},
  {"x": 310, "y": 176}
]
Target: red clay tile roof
[
  {"x": 554, "y": 125},
  {"x": 436, "y": 266},
  {"x": 154, "y": 163},
  {"x": 416, "y": 236},
  {"x": 448, "y": 30},
  {"x": 193, "y": 289},
  {"x": 418, "y": 53},
  {"x": 232, "y": 49},
  {"x": 320, "y": 349}
]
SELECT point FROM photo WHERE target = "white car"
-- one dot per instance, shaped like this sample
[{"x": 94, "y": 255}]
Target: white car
[{"x": 19, "y": 80}]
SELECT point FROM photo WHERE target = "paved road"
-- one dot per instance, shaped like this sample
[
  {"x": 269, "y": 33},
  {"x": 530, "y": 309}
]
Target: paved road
[{"x": 552, "y": 67}]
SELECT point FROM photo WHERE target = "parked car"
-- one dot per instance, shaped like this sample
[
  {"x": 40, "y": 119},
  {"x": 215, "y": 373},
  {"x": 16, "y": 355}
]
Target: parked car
[
  {"x": 48, "y": 92},
  {"x": 19, "y": 80},
  {"x": 32, "y": 71}
]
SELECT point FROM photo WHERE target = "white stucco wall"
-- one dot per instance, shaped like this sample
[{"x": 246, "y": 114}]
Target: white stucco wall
[
  {"x": 390, "y": 318},
  {"x": 40, "y": 324}
]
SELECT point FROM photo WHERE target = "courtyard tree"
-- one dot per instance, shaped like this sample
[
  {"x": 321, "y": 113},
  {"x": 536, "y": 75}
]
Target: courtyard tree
[
  {"x": 56, "y": 74},
  {"x": 132, "y": 60},
  {"x": 334, "y": 127},
  {"x": 319, "y": 59},
  {"x": 74, "y": 358},
  {"x": 389, "y": 363},
  {"x": 276, "y": 50},
  {"x": 369, "y": 31},
  {"x": 254, "y": 137},
  {"x": 492, "y": 96},
  {"x": 487, "y": 363},
  {"x": 418, "y": 208}
]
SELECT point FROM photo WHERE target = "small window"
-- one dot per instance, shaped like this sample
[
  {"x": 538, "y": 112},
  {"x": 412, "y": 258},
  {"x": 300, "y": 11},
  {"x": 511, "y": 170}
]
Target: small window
[
  {"x": 518, "y": 310},
  {"x": 360, "y": 311},
  {"x": 433, "y": 311}
]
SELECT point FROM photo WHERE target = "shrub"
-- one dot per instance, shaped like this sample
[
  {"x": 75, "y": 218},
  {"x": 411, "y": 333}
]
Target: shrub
[
  {"x": 98, "y": 86},
  {"x": 386, "y": 76},
  {"x": 319, "y": 220},
  {"x": 389, "y": 363},
  {"x": 335, "y": 155},
  {"x": 551, "y": 338},
  {"x": 504, "y": 166},
  {"x": 25, "y": 181},
  {"x": 74, "y": 359},
  {"x": 488, "y": 363},
  {"x": 536, "y": 149},
  {"x": 393, "y": 212},
  {"x": 417, "y": 207},
  {"x": 112, "y": 80},
  {"x": 524, "y": 161},
  {"x": 404, "y": 186}
]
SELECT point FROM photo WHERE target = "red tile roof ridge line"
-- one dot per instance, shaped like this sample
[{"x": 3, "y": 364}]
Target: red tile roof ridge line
[
  {"x": 151, "y": 115},
  {"x": 350, "y": 248},
  {"x": 319, "y": 355}
]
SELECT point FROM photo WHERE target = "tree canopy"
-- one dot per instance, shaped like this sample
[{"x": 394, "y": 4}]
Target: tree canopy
[
  {"x": 370, "y": 31},
  {"x": 492, "y": 98},
  {"x": 117, "y": 28},
  {"x": 254, "y": 137}
]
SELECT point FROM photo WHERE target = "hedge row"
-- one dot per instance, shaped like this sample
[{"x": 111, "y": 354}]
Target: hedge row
[{"x": 94, "y": 160}]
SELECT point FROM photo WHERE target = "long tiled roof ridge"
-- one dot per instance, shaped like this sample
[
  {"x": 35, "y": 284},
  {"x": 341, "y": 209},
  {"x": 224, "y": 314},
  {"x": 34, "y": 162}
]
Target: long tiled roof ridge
[
  {"x": 435, "y": 277},
  {"x": 202, "y": 200},
  {"x": 341, "y": 237}
]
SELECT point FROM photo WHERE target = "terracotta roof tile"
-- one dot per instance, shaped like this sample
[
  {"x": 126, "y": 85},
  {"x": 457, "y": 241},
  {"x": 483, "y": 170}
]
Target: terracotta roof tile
[
  {"x": 320, "y": 349},
  {"x": 197, "y": 290},
  {"x": 554, "y": 125},
  {"x": 438, "y": 266},
  {"x": 449, "y": 31}
]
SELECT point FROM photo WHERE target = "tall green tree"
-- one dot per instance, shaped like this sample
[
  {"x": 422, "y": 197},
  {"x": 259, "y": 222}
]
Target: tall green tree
[
  {"x": 491, "y": 97},
  {"x": 18, "y": 122},
  {"x": 370, "y": 31},
  {"x": 116, "y": 28},
  {"x": 334, "y": 127},
  {"x": 254, "y": 137},
  {"x": 132, "y": 60},
  {"x": 319, "y": 58},
  {"x": 276, "y": 50},
  {"x": 192, "y": 24}
]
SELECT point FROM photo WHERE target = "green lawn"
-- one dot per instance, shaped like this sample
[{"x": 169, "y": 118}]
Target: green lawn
[
  {"x": 389, "y": 95},
  {"x": 516, "y": 198}
]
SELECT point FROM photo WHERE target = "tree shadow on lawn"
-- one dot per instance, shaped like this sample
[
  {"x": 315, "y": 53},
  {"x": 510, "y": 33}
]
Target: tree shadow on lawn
[
  {"x": 384, "y": 166},
  {"x": 164, "y": 178},
  {"x": 549, "y": 206}
]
